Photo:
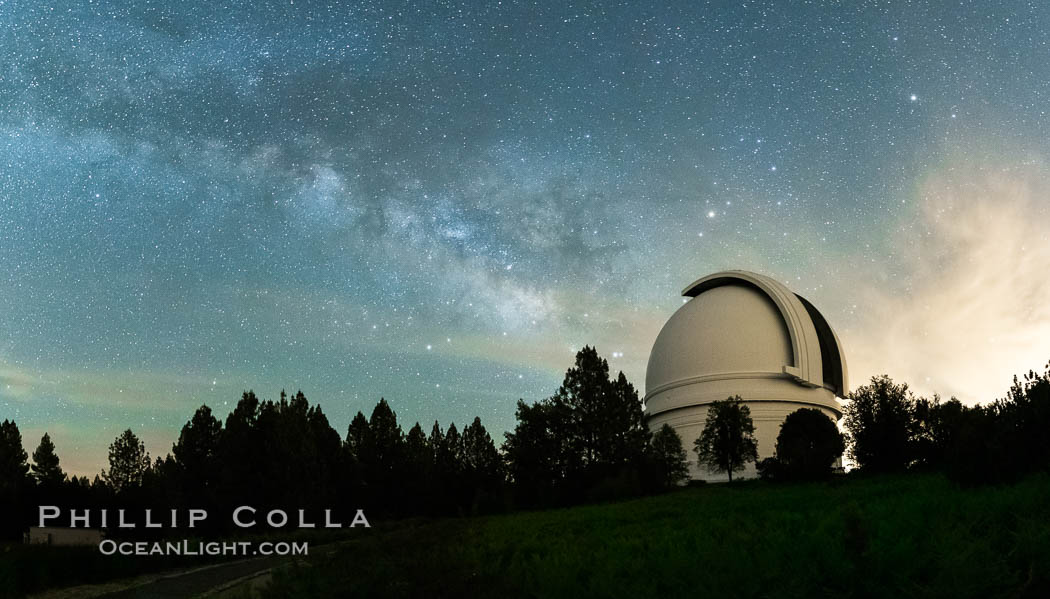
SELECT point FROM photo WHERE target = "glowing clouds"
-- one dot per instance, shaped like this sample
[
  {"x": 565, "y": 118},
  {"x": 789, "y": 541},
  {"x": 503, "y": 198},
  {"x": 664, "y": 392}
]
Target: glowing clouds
[{"x": 974, "y": 311}]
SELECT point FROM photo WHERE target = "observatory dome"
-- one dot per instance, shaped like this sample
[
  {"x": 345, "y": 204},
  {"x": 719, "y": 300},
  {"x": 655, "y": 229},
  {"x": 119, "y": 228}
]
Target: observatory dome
[{"x": 742, "y": 334}]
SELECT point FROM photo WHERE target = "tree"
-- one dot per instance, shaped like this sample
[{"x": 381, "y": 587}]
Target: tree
[
  {"x": 196, "y": 453},
  {"x": 625, "y": 425},
  {"x": 13, "y": 457},
  {"x": 879, "y": 425},
  {"x": 14, "y": 480},
  {"x": 605, "y": 425},
  {"x": 667, "y": 458},
  {"x": 536, "y": 454},
  {"x": 383, "y": 451},
  {"x": 45, "y": 467},
  {"x": 419, "y": 456},
  {"x": 128, "y": 463},
  {"x": 448, "y": 457},
  {"x": 808, "y": 444},
  {"x": 935, "y": 431},
  {"x": 481, "y": 461},
  {"x": 240, "y": 447},
  {"x": 1025, "y": 416},
  {"x": 727, "y": 442},
  {"x": 482, "y": 468},
  {"x": 357, "y": 436}
]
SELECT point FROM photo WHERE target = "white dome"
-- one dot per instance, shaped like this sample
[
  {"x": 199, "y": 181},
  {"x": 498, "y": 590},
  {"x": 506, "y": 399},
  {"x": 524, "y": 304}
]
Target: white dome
[
  {"x": 742, "y": 334},
  {"x": 729, "y": 329}
]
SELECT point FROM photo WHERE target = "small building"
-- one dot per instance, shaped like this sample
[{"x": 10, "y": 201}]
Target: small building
[{"x": 62, "y": 536}]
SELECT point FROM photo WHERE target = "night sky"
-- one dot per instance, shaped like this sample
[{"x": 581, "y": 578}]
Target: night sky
[{"x": 439, "y": 203}]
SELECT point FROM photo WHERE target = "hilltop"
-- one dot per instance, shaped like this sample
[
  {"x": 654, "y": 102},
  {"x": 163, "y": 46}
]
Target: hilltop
[{"x": 913, "y": 535}]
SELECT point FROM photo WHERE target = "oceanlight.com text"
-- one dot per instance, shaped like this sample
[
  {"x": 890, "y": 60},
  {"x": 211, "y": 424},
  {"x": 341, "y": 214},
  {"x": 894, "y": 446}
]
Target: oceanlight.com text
[{"x": 210, "y": 548}]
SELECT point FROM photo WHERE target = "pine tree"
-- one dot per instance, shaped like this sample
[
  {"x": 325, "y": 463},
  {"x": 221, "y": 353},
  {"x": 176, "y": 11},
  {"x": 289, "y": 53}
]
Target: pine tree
[
  {"x": 197, "y": 450},
  {"x": 128, "y": 463},
  {"x": 14, "y": 467},
  {"x": 357, "y": 437},
  {"x": 480, "y": 459},
  {"x": 45, "y": 467},
  {"x": 14, "y": 480}
]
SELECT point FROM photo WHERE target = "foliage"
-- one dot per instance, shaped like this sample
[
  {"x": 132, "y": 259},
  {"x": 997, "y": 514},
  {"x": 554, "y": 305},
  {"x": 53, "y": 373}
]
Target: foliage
[
  {"x": 195, "y": 457},
  {"x": 46, "y": 469},
  {"x": 590, "y": 432},
  {"x": 878, "y": 421},
  {"x": 808, "y": 444},
  {"x": 727, "y": 442},
  {"x": 668, "y": 461},
  {"x": 13, "y": 457},
  {"x": 128, "y": 463},
  {"x": 14, "y": 478}
]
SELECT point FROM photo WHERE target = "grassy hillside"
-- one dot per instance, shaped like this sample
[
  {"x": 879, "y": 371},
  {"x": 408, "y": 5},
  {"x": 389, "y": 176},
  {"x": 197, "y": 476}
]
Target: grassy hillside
[{"x": 916, "y": 536}]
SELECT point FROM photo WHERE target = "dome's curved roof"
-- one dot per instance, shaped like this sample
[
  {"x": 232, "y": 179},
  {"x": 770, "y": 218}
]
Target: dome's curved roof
[{"x": 738, "y": 324}]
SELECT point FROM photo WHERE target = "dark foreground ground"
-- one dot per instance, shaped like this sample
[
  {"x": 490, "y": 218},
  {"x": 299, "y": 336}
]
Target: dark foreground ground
[
  {"x": 910, "y": 536},
  {"x": 890, "y": 536}
]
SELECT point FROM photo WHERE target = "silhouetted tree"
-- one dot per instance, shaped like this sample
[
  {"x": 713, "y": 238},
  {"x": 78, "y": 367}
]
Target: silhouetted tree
[
  {"x": 935, "y": 428},
  {"x": 128, "y": 463},
  {"x": 45, "y": 466},
  {"x": 14, "y": 467},
  {"x": 480, "y": 458},
  {"x": 1025, "y": 418},
  {"x": 727, "y": 442},
  {"x": 770, "y": 469},
  {"x": 482, "y": 467},
  {"x": 604, "y": 430},
  {"x": 419, "y": 459},
  {"x": 536, "y": 454},
  {"x": 382, "y": 456},
  {"x": 240, "y": 451},
  {"x": 195, "y": 455},
  {"x": 327, "y": 447},
  {"x": 436, "y": 439},
  {"x": 589, "y": 436},
  {"x": 808, "y": 444},
  {"x": 624, "y": 423},
  {"x": 357, "y": 438},
  {"x": 879, "y": 425},
  {"x": 668, "y": 461},
  {"x": 14, "y": 480}
]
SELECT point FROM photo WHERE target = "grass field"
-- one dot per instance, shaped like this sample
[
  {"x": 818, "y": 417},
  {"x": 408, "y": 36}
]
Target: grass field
[{"x": 912, "y": 535}]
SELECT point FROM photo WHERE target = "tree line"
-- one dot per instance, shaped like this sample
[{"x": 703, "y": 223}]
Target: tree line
[
  {"x": 587, "y": 441},
  {"x": 889, "y": 429}
]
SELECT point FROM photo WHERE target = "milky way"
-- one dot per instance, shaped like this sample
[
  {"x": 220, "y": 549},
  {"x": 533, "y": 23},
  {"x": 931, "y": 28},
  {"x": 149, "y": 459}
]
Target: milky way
[{"x": 439, "y": 202}]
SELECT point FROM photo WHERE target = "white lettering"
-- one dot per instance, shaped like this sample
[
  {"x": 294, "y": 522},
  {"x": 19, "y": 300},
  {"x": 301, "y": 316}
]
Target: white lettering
[
  {"x": 85, "y": 519},
  {"x": 48, "y": 512},
  {"x": 328, "y": 520},
  {"x": 278, "y": 514},
  {"x": 237, "y": 519},
  {"x": 197, "y": 516},
  {"x": 359, "y": 519}
]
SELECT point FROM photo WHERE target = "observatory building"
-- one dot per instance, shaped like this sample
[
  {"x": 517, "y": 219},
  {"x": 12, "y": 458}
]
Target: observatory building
[{"x": 742, "y": 334}]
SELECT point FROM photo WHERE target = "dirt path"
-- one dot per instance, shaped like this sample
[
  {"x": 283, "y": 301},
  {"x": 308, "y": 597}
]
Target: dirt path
[{"x": 198, "y": 581}]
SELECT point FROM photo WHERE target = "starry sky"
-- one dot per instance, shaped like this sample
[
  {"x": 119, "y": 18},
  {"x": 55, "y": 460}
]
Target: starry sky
[{"x": 440, "y": 202}]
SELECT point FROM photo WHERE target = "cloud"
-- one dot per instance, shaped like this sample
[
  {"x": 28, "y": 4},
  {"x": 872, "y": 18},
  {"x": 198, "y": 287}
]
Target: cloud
[{"x": 971, "y": 307}]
